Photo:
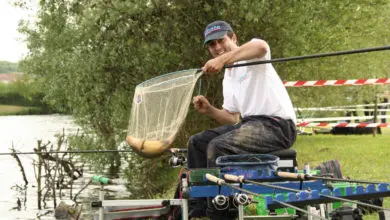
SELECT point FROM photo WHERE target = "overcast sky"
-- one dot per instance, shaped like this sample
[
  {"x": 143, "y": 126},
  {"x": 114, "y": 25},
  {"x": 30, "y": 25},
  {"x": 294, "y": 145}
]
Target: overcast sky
[{"x": 12, "y": 47}]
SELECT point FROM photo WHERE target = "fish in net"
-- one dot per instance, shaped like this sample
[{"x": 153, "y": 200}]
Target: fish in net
[{"x": 159, "y": 108}]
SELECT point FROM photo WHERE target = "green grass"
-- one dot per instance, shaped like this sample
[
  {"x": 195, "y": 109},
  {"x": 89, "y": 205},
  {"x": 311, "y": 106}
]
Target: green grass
[
  {"x": 360, "y": 156},
  {"x": 363, "y": 157}
]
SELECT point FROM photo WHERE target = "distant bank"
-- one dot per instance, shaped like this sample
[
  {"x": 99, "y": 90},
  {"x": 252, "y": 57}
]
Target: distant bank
[
  {"x": 19, "y": 110},
  {"x": 18, "y": 97}
]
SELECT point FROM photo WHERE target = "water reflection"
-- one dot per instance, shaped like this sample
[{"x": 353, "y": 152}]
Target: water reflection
[
  {"x": 18, "y": 201},
  {"x": 22, "y": 132},
  {"x": 21, "y": 198}
]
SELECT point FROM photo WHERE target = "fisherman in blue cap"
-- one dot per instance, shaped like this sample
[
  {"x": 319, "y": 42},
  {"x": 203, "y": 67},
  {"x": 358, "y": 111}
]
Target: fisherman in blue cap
[{"x": 257, "y": 115}]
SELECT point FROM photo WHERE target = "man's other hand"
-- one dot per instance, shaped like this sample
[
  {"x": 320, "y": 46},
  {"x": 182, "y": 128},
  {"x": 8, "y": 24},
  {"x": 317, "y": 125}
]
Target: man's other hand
[{"x": 201, "y": 104}]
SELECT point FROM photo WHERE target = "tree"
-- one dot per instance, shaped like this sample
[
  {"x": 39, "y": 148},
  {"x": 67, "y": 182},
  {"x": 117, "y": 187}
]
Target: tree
[
  {"x": 88, "y": 56},
  {"x": 8, "y": 67}
]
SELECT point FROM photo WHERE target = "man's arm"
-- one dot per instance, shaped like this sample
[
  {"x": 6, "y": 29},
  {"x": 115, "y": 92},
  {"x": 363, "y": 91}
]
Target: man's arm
[
  {"x": 223, "y": 116},
  {"x": 250, "y": 50},
  {"x": 253, "y": 49}
]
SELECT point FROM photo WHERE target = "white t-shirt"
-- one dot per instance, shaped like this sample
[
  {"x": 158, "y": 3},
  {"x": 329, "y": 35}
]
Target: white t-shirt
[{"x": 256, "y": 90}]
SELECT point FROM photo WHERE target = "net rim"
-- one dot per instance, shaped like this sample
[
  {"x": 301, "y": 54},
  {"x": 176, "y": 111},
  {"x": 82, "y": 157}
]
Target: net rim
[{"x": 167, "y": 74}]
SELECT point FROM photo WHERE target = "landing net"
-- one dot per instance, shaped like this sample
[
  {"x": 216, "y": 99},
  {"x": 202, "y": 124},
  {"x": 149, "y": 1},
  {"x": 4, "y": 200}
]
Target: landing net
[{"x": 159, "y": 108}]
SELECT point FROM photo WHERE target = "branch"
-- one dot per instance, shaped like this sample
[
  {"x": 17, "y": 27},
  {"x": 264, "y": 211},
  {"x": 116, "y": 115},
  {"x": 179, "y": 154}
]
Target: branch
[{"x": 20, "y": 164}]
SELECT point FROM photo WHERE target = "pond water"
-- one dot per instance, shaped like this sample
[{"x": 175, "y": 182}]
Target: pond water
[{"x": 23, "y": 132}]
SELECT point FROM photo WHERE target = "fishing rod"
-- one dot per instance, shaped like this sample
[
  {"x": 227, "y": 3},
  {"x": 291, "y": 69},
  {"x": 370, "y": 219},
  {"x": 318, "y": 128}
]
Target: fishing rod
[
  {"x": 66, "y": 152},
  {"x": 338, "y": 53},
  {"x": 243, "y": 180},
  {"x": 221, "y": 182},
  {"x": 171, "y": 150},
  {"x": 301, "y": 176}
]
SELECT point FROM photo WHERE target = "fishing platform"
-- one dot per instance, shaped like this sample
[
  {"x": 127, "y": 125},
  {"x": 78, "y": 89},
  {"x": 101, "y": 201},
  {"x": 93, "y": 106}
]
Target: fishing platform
[{"x": 255, "y": 186}]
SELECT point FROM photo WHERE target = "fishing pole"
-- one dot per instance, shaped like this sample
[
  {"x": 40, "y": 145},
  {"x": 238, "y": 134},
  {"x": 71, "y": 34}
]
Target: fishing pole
[
  {"x": 66, "y": 152},
  {"x": 301, "y": 176},
  {"x": 242, "y": 179},
  {"x": 171, "y": 150},
  {"x": 219, "y": 181},
  {"x": 338, "y": 53}
]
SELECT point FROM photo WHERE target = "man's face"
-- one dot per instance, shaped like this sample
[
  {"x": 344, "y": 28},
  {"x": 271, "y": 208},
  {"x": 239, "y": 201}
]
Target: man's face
[{"x": 221, "y": 46}]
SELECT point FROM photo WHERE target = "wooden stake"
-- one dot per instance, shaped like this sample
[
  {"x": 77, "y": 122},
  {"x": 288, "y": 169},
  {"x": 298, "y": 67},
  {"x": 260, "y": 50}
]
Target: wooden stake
[{"x": 39, "y": 175}]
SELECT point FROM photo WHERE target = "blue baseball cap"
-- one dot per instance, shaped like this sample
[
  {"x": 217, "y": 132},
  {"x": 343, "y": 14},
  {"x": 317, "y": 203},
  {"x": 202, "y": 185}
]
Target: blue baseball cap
[{"x": 216, "y": 30}]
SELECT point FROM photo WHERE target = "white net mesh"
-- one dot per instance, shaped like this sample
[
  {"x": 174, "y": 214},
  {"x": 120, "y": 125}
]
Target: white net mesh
[{"x": 159, "y": 108}]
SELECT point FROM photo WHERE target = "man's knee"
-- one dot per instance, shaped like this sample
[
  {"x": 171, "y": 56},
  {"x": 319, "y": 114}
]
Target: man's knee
[
  {"x": 194, "y": 141},
  {"x": 214, "y": 150}
]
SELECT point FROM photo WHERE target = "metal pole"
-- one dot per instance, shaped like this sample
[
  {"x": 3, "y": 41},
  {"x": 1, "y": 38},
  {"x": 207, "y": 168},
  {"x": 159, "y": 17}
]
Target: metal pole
[
  {"x": 185, "y": 209},
  {"x": 240, "y": 212},
  {"x": 101, "y": 198},
  {"x": 184, "y": 204}
]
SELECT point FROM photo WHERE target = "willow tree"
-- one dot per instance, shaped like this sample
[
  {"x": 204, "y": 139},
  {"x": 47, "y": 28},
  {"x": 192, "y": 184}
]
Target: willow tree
[{"x": 88, "y": 55}]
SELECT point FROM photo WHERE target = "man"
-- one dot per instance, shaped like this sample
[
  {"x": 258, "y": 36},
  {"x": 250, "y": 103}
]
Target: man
[{"x": 254, "y": 93}]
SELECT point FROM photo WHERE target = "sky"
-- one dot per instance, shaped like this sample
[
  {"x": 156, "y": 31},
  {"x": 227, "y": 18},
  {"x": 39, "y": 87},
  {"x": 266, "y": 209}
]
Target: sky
[{"x": 12, "y": 47}]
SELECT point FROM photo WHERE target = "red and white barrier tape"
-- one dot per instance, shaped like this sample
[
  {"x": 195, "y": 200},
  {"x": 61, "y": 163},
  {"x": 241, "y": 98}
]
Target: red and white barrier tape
[
  {"x": 342, "y": 109},
  {"x": 339, "y": 82},
  {"x": 348, "y": 118},
  {"x": 321, "y": 122},
  {"x": 343, "y": 124},
  {"x": 345, "y": 106}
]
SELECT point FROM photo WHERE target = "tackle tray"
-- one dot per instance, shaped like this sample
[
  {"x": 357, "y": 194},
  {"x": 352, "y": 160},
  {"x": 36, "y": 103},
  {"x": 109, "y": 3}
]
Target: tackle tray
[{"x": 251, "y": 166}]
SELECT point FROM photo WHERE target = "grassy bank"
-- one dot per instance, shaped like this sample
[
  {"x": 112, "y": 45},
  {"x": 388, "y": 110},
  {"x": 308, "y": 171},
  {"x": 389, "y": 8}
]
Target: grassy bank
[
  {"x": 361, "y": 156},
  {"x": 18, "y": 110}
]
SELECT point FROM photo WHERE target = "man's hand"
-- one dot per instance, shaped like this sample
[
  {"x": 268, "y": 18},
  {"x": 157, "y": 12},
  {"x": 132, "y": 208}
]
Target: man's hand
[
  {"x": 223, "y": 116},
  {"x": 201, "y": 104},
  {"x": 213, "y": 66}
]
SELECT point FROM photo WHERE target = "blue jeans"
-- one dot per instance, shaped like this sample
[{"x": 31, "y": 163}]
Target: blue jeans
[{"x": 254, "y": 135}]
